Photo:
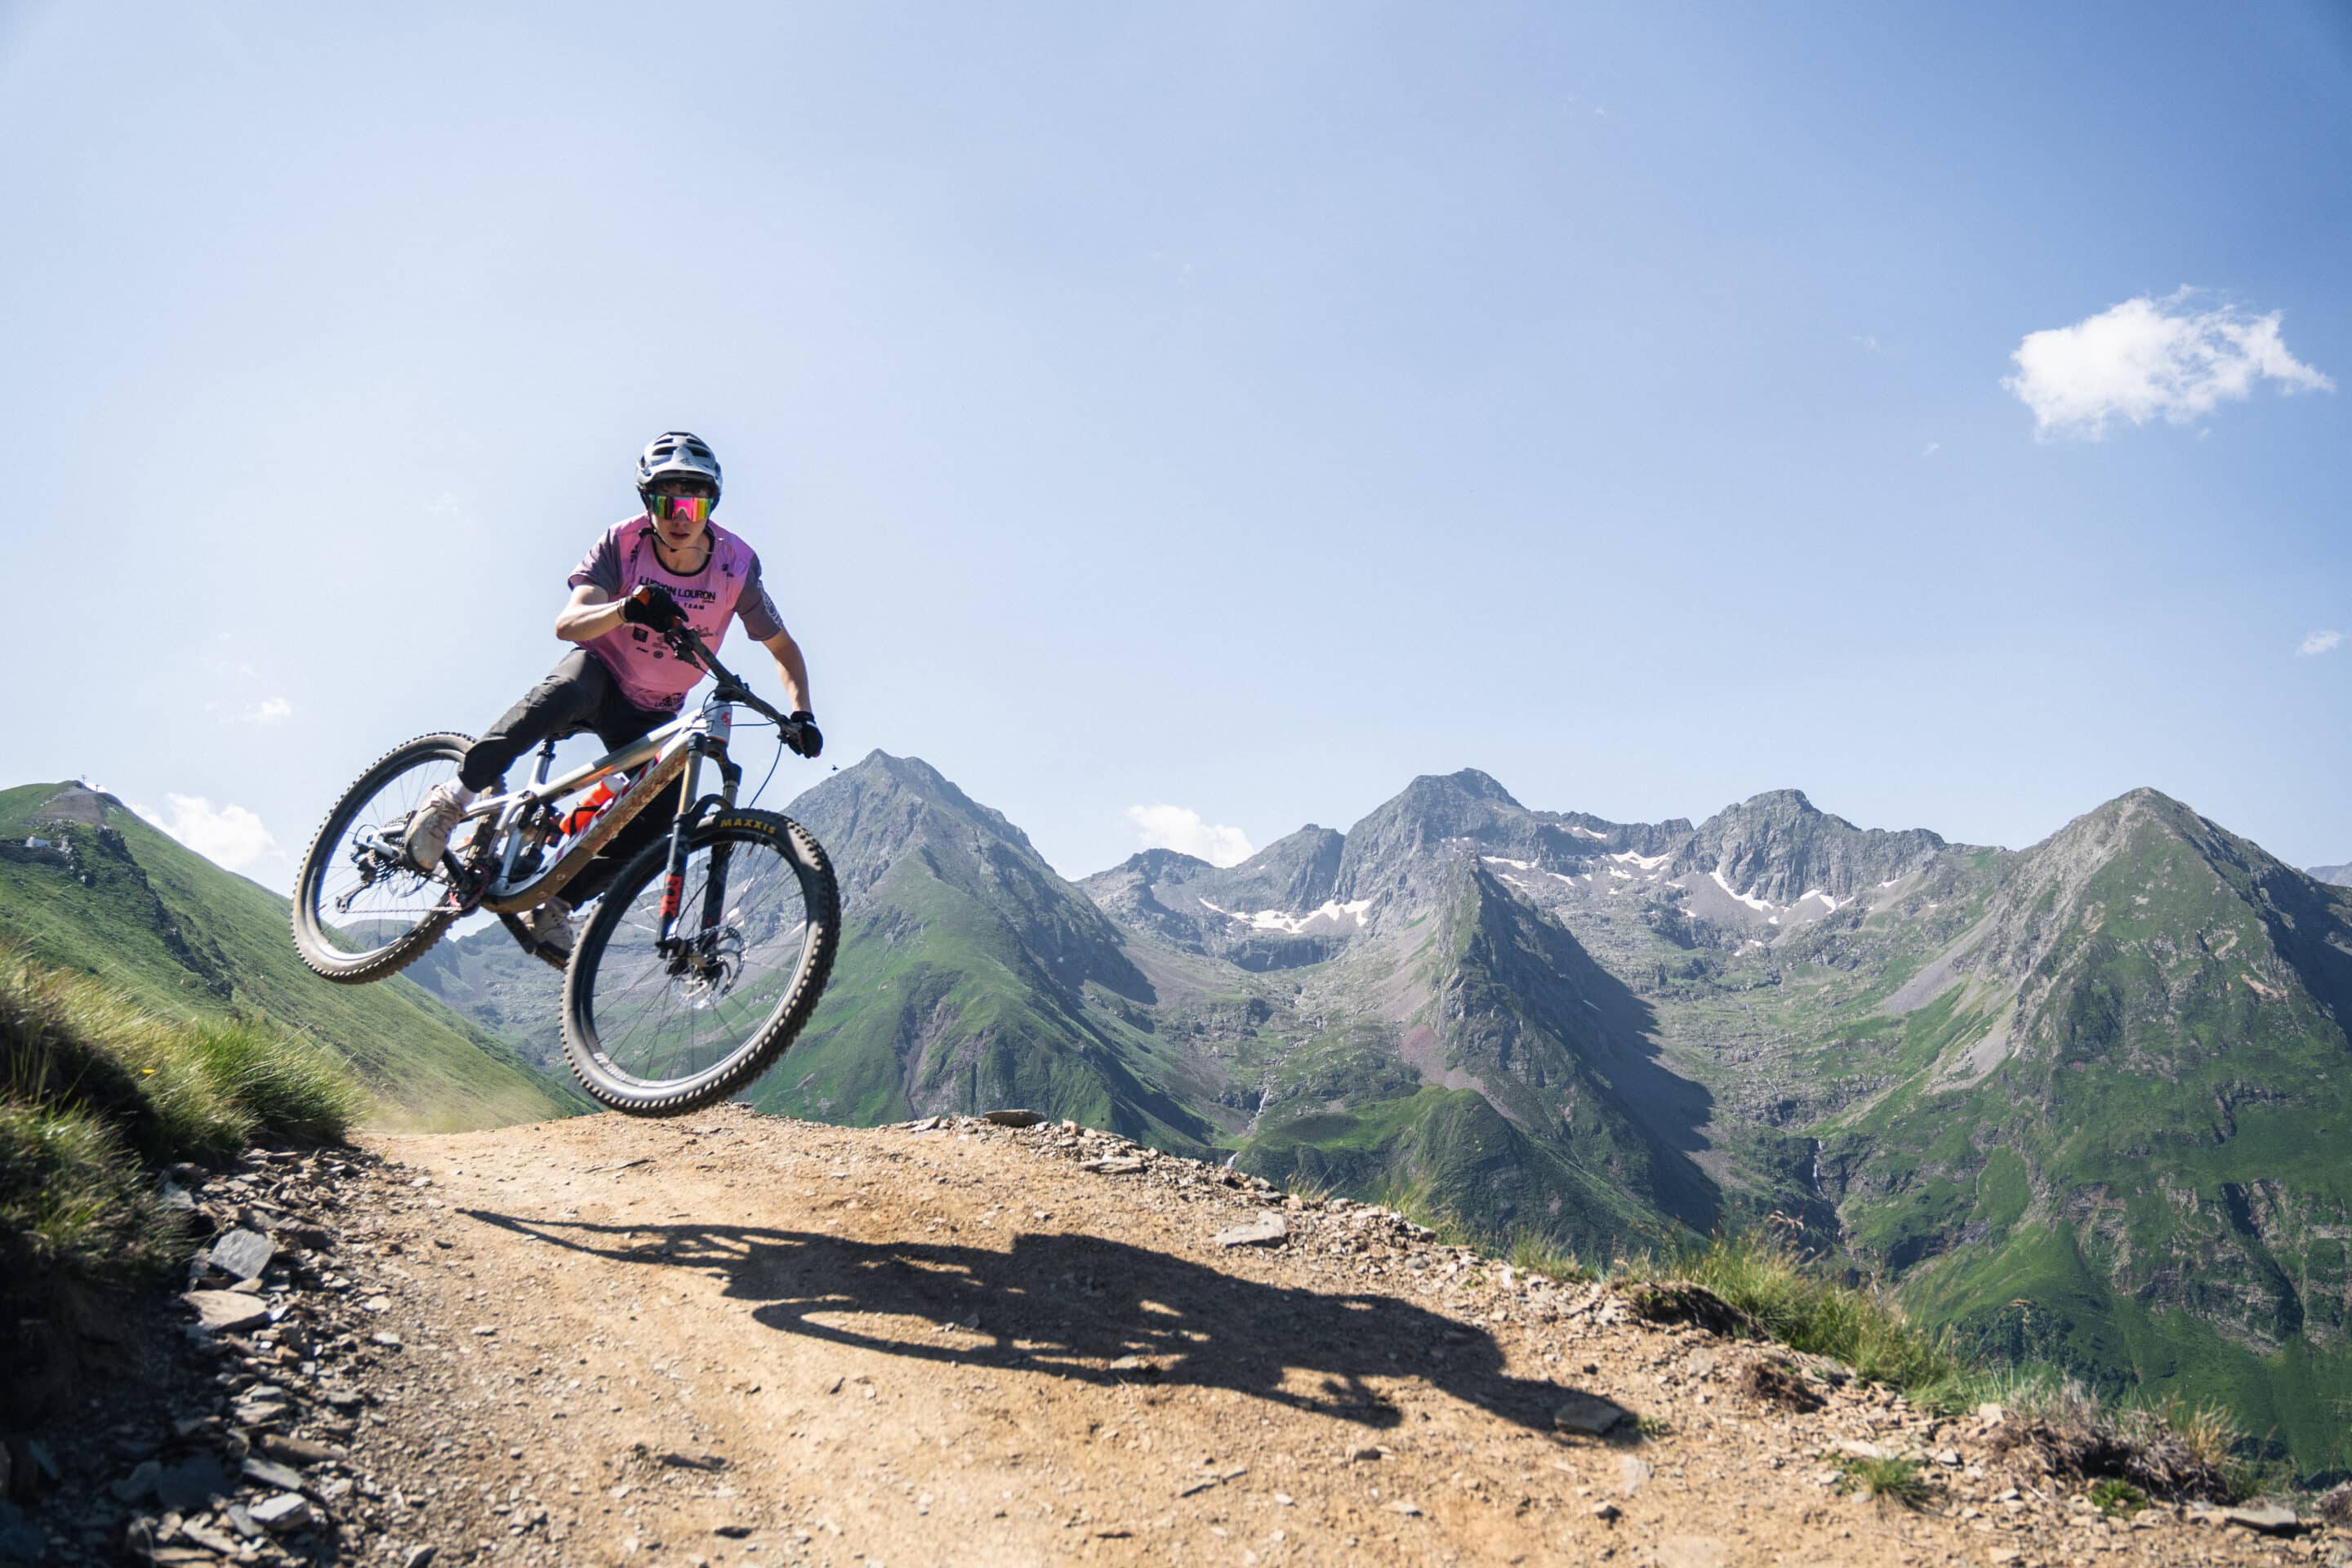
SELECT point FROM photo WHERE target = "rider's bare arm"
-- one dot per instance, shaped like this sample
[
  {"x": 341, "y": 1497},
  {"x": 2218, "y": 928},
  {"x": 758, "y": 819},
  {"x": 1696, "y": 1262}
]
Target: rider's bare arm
[
  {"x": 590, "y": 614},
  {"x": 792, "y": 669}
]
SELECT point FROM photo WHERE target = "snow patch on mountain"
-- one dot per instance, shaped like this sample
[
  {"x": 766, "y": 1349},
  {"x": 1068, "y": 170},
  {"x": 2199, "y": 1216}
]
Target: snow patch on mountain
[
  {"x": 1278, "y": 919},
  {"x": 1761, "y": 906}
]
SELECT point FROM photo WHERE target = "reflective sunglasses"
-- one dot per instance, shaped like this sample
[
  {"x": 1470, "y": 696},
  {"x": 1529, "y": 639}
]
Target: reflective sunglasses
[{"x": 694, "y": 508}]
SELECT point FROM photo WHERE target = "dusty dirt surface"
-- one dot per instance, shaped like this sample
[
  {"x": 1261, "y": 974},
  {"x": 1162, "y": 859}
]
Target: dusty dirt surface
[{"x": 743, "y": 1340}]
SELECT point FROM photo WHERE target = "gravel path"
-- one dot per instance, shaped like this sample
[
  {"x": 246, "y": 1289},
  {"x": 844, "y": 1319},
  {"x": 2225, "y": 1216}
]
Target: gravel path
[{"x": 742, "y": 1339}]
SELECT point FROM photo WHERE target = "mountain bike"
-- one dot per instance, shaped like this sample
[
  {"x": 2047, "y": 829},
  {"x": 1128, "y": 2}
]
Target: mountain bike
[{"x": 703, "y": 959}]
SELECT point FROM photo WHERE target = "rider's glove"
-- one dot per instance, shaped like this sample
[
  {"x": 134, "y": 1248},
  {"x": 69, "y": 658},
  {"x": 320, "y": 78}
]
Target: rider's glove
[
  {"x": 804, "y": 737},
  {"x": 650, "y": 606}
]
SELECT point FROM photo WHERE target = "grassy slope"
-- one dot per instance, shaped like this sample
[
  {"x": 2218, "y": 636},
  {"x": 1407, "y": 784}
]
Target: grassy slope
[{"x": 427, "y": 1066}]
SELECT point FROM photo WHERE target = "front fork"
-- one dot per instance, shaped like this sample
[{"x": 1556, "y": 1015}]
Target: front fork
[{"x": 698, "y": 952}]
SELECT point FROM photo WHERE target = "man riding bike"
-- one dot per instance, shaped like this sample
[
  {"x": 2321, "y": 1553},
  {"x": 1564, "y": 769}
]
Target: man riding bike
[{"x": 668, "y": 566}]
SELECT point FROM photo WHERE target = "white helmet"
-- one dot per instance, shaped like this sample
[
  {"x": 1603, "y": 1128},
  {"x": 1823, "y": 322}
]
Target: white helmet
[{"x": 675, "y": 454}]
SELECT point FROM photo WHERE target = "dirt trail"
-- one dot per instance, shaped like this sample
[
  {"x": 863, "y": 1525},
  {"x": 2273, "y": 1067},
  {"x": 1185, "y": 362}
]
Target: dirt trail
[{"x": 743, "y": 1340}]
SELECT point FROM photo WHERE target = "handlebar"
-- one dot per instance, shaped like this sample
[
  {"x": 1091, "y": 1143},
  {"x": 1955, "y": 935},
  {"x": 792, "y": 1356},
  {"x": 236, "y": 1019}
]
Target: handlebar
[{"x": 687, "y": 645}]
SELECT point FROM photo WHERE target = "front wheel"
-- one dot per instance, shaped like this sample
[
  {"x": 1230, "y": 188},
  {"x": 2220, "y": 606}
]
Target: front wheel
[
  {"x": 658, "y": 1030},
  {"x": 361, "y": 911}
]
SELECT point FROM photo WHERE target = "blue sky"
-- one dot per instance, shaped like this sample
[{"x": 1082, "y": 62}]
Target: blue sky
[{"x": 1237, "y": 409}]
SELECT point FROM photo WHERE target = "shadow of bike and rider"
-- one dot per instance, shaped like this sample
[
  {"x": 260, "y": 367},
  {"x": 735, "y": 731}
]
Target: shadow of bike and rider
[{"x": 1081, "y": 1307}]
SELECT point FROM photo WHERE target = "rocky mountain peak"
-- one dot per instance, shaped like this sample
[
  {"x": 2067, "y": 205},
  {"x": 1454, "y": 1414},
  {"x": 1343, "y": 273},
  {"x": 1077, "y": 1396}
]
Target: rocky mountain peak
[
  {"x": 1472, "y": 783},
  {"x": 894, "y": 825},
  {"x": 1295, "y": 872},
  {"x": 870, "y": 815},
  {"x": 1782, "y": 802},
  {"x": 2144, "y": 863},
  {"x": 2099, "y": 835},
  {"x": 1400, "y": 847},
  {"x": 1158, "y": 863},
  {"x": 1779, "y": 846}
]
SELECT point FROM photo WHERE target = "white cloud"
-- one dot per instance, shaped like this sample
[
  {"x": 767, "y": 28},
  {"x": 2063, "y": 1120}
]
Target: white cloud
[
  {"x": 272, "y": 711},
  {"x": 1931, "y": 448},
  {"x": 232, "y": 836},
  {"x": 2151, "y": 359},
  {"x": 2318, "y": 643},
  {"x": 1180, "y": 829}
]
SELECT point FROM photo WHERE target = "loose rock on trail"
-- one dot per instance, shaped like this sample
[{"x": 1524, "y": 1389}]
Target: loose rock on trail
[{"x": 744, "y": 1340}]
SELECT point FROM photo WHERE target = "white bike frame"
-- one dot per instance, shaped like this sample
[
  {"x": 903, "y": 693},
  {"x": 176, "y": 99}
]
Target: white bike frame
[{"x": 675, "y": 750}]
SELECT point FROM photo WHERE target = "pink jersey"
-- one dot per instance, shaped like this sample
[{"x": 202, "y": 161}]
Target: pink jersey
[{"x": 650, "y": 675}]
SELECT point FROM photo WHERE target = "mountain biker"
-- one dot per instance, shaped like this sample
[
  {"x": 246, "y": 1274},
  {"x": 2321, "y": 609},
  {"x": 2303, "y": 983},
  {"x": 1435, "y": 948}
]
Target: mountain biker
[{"x": 666, "y": 566}]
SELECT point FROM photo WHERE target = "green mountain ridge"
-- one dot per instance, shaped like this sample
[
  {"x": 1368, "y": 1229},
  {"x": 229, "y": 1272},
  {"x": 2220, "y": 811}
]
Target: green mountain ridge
[{"x": 110, "y": 895}]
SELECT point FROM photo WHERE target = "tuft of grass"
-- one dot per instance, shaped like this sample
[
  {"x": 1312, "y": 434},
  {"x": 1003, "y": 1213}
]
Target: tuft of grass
[
  {"x": 1307, "y": 1189},
  {"x": 1653, "y": 1428},
  {"x": 1418, "y": 1202},
  {"x": 73, "y": 1200},
  {"x": 1793, "y": 1303},
  {"x": 2114, "y": 1496},
  {"x": 2174, "y": 1449},
  {"x": 2208, "y": 1431},
  {"x": 1533, "y": 1254},
  {"x": 1896, "y": 1479},
  {"x": 286, "y": 1087}
]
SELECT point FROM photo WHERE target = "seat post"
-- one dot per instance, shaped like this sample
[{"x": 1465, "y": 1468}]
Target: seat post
[{"x": 546, "y": 761}]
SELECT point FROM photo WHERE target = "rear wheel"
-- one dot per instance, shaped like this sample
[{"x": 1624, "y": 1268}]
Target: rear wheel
[
  {"x": 361, "y": 911},
  {"x": 658, "y": 1032}
]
